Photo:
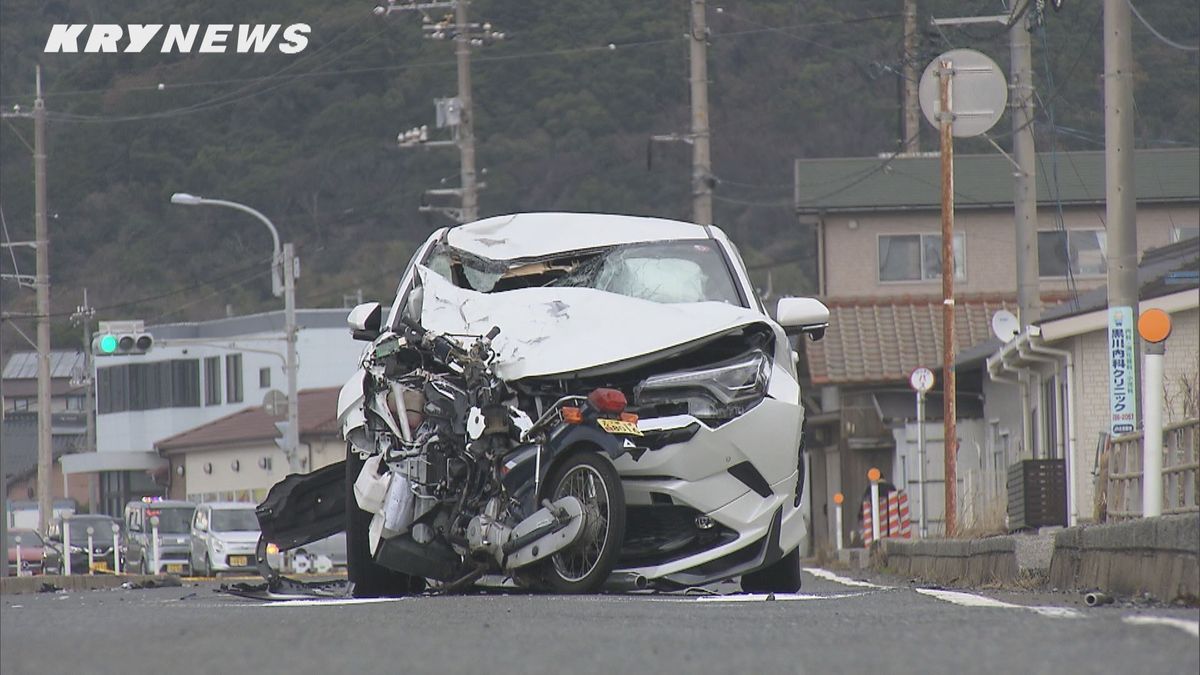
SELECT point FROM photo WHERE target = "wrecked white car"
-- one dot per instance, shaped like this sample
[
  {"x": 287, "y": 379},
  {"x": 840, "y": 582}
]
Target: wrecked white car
[{"x": 574, "y": 401}]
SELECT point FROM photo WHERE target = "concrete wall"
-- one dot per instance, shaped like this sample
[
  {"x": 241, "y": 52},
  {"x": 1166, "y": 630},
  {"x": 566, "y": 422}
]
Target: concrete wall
[
  {"x": 327, "y": 358},
  {"x": 852, "y": 251},
  {"x": 1158, "y": 556}
]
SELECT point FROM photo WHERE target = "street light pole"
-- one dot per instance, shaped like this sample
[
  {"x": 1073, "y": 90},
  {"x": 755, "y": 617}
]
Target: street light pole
[{"x": 283, "y": 282}]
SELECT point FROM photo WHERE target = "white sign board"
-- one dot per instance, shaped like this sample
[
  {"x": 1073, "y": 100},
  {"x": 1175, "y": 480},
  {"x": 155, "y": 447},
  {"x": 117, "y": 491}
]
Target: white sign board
[
  {"x": 978, "y": 92},
  {"x": 1122, "y": 366},
  {"x": 921, "y": 379}
]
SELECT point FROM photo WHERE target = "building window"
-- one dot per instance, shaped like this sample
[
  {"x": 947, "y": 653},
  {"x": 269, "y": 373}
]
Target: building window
[
  {"x": 76, "y": 403},
  {"x": 212, "y": 380},
  {"x": 149, "y": 386},
  {"x": 1071, "y": 253},
  {"x": 918, "y": 257},
  {"x": 1182, "y": 232},
  {"x": 21, "y": 404},
  {"x": 264, "y": 378},
  {"x": 233, "y": 378}
]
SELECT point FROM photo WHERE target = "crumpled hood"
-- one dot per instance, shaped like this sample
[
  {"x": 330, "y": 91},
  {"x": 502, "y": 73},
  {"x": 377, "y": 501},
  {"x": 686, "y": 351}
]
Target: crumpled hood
[{"x": 546, "y": 331}]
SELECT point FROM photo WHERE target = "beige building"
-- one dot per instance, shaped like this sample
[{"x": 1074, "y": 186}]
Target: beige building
[
  {"x": 236, "y": 457},
  {"x": 877, "y": 225}
]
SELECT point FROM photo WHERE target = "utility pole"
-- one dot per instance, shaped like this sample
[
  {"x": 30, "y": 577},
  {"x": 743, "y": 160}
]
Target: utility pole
[
  {"x": 466, "y": 125},
  {"x": 701, "y": 162},
  {"x": 45, "y": 439},
  {"x": 1119, "y": 193},
  {"x": 1029, "y": 300},
  {"x": 949, "y": 386},
  {"x": 84, "y": 315},
  {"x": 912, "y": 104},
  {"x": 457, "y": 113},
  {"x": 292, "y": 434}
]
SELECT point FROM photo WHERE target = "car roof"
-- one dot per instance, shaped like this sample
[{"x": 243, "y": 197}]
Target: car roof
[
  {"x": 163, "y": 503},
  {"x": 229, "y": 506},
  {"x": 537, "y": 235}
]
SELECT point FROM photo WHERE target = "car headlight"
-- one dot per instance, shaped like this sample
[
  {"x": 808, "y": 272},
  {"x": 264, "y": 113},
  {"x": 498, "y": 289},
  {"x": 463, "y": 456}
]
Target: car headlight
[
  {"x": 722, "y": 391},
  {"x": 218, "y": 545}
]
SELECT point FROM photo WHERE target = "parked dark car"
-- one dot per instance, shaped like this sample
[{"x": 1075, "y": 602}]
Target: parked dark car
[
  {"x": 106, "y": 544},
  {"x": 37, "y": 555}
]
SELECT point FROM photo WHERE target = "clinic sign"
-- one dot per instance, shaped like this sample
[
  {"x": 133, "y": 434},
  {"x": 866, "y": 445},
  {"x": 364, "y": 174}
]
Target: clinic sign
[{"x": 1122, "y": 365}]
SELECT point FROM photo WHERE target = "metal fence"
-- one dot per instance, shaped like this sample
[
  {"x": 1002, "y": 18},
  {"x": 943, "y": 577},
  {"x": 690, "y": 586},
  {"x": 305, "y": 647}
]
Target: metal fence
[{"x": 1121, "y": 474}]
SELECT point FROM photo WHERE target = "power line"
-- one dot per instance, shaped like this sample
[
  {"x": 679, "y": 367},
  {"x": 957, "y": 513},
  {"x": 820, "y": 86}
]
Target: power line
[{"x": 1165, "y": 40}]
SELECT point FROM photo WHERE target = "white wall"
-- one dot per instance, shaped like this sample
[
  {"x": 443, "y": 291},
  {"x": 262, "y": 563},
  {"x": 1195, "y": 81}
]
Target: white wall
[
  {"x": 327, "y": 357},
  {"x": 975, "y": 493},
  {"x": 250, "y": 481}
]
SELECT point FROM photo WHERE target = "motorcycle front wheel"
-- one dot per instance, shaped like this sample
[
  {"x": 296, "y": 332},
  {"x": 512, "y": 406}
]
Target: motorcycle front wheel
[{"x": 585, "y": 565}]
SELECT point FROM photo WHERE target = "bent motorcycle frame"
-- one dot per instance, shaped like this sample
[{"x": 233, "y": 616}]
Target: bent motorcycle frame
[{"x": 303, "y": 508}]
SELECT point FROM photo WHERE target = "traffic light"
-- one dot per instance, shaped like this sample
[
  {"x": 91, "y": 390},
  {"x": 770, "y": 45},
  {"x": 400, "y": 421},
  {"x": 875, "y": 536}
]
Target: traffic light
[{"x": 121, "y": 338}]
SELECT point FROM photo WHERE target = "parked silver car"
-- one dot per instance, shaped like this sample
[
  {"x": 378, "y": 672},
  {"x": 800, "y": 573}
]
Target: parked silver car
[{"x": 224, "y": 536}]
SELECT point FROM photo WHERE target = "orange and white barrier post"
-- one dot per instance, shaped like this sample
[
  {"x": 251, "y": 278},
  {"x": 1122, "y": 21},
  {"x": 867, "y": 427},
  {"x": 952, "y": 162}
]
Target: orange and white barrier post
[
  {"x": 838, "y": 498},
  {"x": 905, "y": 519},
  {"x": 866, "y": 519},
  {"x": 874, "y": 475}
]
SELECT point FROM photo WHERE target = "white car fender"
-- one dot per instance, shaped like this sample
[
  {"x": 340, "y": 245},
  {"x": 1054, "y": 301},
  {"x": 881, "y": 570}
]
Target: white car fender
[{"x": 350, "y": 404}]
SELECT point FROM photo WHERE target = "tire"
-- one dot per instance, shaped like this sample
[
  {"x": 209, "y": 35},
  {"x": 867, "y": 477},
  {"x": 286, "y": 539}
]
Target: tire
[
  {"x": 368, "y": 579},
  {"x": 580, "y": 568},
  {"x": 781, "y": 576}
]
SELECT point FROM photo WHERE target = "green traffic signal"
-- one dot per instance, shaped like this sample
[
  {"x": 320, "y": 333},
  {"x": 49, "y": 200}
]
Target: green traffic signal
[{"x": 108, "y": 344}]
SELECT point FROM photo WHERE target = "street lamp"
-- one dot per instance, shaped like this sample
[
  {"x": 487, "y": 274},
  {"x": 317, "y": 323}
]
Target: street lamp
[{"x": 282, "y": 267}]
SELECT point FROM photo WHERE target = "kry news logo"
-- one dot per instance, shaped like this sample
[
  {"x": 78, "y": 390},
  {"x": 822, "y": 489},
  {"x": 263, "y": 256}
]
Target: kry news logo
[{"x": 217, "y": 38}]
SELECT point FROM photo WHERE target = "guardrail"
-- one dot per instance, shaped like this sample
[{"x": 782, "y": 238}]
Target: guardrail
[{"x": 1121, "y": 476}]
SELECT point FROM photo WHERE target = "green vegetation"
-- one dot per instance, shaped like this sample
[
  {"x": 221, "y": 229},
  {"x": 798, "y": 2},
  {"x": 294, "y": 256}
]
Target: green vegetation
[{"x": 563, "y": 123}]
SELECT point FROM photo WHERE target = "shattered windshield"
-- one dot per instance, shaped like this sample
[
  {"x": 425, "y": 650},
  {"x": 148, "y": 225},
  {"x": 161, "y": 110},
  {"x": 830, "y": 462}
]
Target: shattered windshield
[{"x": 666, "y": 272}]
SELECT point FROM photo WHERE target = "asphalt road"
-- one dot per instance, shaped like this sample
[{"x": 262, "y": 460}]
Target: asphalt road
[{"x": 831, "y": 627}]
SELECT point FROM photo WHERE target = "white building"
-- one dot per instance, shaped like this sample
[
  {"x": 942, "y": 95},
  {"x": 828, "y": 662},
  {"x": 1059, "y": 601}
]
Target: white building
[{"x": 194, "y": 374}]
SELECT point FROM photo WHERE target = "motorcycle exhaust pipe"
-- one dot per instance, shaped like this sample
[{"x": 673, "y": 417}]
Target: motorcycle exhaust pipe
[
  {"x": 625, "y": 581},
  {"x": 1097, "y": 598}
]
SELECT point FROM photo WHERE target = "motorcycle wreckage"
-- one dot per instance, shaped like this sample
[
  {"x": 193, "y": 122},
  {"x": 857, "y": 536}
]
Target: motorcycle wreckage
[{"x": 452, "y": 480}]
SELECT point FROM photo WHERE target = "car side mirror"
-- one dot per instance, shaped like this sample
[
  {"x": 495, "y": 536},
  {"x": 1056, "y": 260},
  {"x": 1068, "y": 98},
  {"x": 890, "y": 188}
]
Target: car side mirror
[
  {"x": 803, "y": 315},
  {"x": 365, "y": 320}
]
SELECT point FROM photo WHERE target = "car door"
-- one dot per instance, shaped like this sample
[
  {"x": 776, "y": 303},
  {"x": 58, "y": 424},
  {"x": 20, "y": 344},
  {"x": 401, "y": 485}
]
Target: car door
[{"x": 199, "y": 543}]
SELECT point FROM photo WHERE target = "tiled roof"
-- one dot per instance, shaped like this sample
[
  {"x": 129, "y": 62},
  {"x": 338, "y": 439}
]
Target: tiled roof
[
  {"x": 870, "y": 183},
  {"x": 876, "y": 340},
  {"x": 318, "y": 416}
]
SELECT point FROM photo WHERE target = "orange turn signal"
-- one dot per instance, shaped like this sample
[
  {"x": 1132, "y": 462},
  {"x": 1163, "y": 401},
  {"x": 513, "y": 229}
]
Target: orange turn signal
[
  {"x": 572, "y": 415},
  {"x": 629, "y": 417}
]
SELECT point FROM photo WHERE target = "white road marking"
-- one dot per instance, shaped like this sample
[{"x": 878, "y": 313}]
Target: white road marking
[
  {"x": 830, "y": 576},
  {"x": 972, "y": 600},
  {"x": 326, "y": 601},
  {"x": 762, "y": 597},
  {"x": 1192, "y": 627}
]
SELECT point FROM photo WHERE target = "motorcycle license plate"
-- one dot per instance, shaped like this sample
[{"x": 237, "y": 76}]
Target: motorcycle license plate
[
  {"x": 619, "y": 427},
  {"x": 175, "y": 568},
  {"x": 238, "y": 560}
]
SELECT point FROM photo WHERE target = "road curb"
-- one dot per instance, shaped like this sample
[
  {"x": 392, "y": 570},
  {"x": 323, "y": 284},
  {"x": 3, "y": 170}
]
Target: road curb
[
  {"x": 81, "y": 582},
  {"x": 1159, "y": 556}
]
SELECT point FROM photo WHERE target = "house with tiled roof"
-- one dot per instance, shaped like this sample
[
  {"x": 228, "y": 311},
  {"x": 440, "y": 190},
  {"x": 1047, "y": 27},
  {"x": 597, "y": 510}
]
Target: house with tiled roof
[
  {"x": 238, "y": 457},
  {"x": 876, "y": 226}
]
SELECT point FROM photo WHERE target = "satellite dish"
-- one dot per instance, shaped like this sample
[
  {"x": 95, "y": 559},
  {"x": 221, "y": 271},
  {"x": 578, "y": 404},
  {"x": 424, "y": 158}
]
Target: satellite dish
[
  {"x": 275, "y": 403},
  {"x": 1005, "y": 325},
  {"x": 978, "y": 92}
]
